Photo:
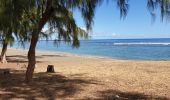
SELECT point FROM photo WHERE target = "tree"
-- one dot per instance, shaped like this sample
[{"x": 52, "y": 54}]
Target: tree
[
  {"x": 11, "y": 23},
  {"x": 6, "y": 39},
  {"x": 59, "y": 16},
  {"x": 14, "y": 23}
]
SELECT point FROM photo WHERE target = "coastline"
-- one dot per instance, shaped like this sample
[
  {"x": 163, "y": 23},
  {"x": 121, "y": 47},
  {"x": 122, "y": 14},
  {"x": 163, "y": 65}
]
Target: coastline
[
  {"x": 66, "y": 53},
  {"x": 80, "y": 55}
]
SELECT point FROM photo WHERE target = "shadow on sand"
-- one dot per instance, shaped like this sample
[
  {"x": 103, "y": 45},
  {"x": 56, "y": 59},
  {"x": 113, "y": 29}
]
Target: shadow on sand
[
  {"x": 40, "y": 56},
  {"x": 44, "y": 85},
  {"x": 119, "y": 95},
  {"x": 20, "y": 59},
  {"x": 23, "y": 59},
  {"x": 51, "y": 86}
]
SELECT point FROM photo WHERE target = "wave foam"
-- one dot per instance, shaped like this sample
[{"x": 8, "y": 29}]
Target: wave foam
[{"x": 141, "y": 43}]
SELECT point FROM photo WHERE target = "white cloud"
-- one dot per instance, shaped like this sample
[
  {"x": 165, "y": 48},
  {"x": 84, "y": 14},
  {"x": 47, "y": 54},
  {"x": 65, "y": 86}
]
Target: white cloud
[{"x": 103, "y": 35}]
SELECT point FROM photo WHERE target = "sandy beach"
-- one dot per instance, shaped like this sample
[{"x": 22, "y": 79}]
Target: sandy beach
[{"x": 81, "y": 77}]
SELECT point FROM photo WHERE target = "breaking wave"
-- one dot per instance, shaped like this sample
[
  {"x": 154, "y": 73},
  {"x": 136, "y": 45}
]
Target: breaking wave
[{"x": 141, "y": 43}]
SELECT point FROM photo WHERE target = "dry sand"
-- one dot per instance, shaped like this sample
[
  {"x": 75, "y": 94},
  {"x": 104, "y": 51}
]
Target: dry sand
[{"x": 80, "y": 77}]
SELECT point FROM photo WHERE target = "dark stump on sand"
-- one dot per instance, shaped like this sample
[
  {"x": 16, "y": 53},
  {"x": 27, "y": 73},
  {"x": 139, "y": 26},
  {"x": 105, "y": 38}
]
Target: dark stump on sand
[{"x": 50, "y": 69}]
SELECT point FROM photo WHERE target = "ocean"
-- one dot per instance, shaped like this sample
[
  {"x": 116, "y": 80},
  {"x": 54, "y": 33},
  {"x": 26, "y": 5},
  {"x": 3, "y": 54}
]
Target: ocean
[{"x": 125, "y": 49}]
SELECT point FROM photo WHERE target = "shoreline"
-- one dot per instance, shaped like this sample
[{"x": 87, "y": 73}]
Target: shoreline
[
  {"x": 81, "y": 55},
  {"x": 66, "y": 53}
]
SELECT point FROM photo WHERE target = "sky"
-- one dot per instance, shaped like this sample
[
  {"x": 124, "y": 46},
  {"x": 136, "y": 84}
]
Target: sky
[{"x": 137, "y": 24}]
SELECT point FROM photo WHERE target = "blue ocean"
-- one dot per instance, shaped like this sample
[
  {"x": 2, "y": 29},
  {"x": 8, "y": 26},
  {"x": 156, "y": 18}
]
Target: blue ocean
[{"x": 126, "y": 49}]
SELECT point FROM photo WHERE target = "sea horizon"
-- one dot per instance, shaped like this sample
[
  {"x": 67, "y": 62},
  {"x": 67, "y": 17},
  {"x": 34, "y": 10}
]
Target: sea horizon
[{"x": 108, "y": 39}]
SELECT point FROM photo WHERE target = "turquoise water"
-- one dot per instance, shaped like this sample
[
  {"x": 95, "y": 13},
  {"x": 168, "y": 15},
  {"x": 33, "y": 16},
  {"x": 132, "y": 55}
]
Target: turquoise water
[{"x": 131, "y": 49}]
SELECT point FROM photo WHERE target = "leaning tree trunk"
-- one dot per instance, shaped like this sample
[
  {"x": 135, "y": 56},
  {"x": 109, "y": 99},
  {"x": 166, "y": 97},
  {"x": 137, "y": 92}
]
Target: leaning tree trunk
[
  {"x": 31, "y": 53},
  {"x": 31, "y": 57},
  {"x": 3, "y": 52}
]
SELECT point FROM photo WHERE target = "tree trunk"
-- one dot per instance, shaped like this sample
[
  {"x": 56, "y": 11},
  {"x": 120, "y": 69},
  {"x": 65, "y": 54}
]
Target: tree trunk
[
  {"x": 31, "y": 57},
  {"x": 3, "y": 53},
  {"x": 31, "y": 53}
]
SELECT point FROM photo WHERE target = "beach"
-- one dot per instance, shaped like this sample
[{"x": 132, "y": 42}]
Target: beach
[{"x": 84, "y": 77}]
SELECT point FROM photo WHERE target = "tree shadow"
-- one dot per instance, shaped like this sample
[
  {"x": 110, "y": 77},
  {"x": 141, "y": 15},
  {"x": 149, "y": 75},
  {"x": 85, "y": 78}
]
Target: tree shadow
[
  {"x": 119, "y": 95},
  {"x": 40, "y": 56},
  {"x": 53, "y": 55},
  {"x": 17, "y": 56},
  {"x": 24, "y": 59},
  {"x": 19, "y": 59},
  {"x": 44, "y": 85},
  {"x": 22, "y": 56}
]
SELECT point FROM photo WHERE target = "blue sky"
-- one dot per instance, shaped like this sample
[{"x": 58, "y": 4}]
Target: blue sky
[{"x": 137, "y": 24}]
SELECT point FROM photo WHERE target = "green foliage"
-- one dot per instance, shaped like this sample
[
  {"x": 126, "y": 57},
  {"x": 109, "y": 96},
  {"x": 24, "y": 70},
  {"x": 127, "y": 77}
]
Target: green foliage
[
  {"x": 123, "y": 7},
  {"x": 12, "y": 21},
  {"x": 164, "y": 6},
  {"x": 23, "y": 16},
  {"x": 61, "y": 20}
]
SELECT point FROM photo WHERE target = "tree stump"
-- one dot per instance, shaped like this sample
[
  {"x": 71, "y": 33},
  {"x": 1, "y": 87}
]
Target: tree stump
[{"x": 50, "y": 69}]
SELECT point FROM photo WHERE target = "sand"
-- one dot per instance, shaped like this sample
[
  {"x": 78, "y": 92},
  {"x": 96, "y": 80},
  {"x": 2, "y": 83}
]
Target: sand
[{"x": 83, "y": 77}]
